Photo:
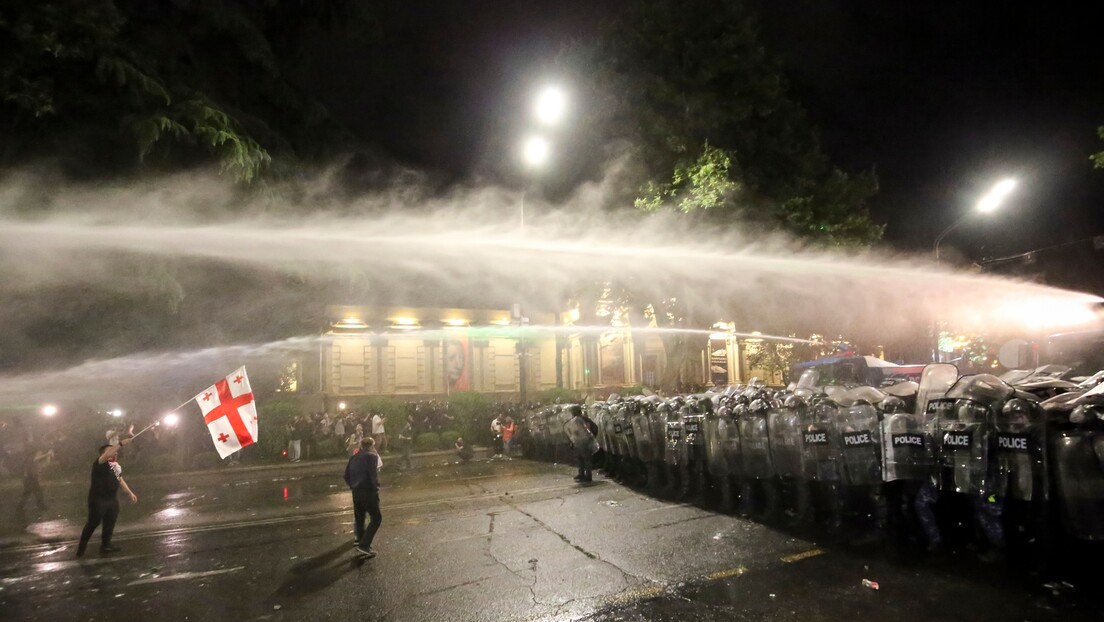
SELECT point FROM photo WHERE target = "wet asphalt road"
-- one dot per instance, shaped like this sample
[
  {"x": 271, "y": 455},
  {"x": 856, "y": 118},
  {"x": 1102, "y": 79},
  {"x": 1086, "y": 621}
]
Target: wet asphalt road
[{"x": 482, "y": 541}]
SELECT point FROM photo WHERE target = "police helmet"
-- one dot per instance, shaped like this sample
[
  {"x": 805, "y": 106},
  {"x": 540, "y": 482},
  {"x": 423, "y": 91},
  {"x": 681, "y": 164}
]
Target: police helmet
[
  {"x": 758, "y": 406},
  {"x": 574, "y": 410},
  {"x": 892, "y": 404},
  {"x": 794, "y": 402},
  {"x": 1016, "y": 408}
]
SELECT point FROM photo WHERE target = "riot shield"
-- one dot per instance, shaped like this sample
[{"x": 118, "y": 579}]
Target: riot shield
[
  {"x": 716, "y": 437},
  {"x": 581, "y": 438},
  {"x": 1077, "y": 453},
  {"x": 657, "y": 423},
  {"x": 820, "y": 454},
  {"x": 673, "y": 436},
  {"x": 754, "y": 443},
  {"x": 935, "y": 380},
  {"x": 598, "y": 416},
  {"x": 859, "y": 439},
  {"x": 693, "y": 430},
  {"x": 961, "y": 421},
  {"x": 1019, "y": 451},
  {"x": 906, "y": 448},
  {"x": 784, "y": 435},
  {"x": 642, "y": 432},
  {"x": 628, "y": 410}
]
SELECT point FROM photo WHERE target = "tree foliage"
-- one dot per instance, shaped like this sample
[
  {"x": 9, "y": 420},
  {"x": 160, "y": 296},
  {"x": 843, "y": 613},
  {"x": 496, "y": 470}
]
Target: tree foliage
[
  {"x": 1098, "y": 158},
  {"x": 716, "y": 129},
  {"x": 104, "y": 86}
]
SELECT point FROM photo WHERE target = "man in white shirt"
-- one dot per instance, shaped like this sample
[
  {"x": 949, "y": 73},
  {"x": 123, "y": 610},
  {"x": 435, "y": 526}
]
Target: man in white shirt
[
  {"x": 378, "y": 432},
  {"x": 496, "y": 433}
]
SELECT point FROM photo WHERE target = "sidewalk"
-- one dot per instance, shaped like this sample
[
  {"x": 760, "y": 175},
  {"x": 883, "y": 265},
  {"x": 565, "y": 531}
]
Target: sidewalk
[{"x": 391, "y": 463}]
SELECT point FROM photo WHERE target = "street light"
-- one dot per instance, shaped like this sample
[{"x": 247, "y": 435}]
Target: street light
[
  {"x": 535, "y": 151},
  {"x": 49, "y": 410},
  {"x": 550, "y": 105},
  {"x": 987, "y": 204}
]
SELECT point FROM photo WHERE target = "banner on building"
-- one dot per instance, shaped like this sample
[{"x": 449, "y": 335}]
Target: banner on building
[{"x": 457, "y": 363}]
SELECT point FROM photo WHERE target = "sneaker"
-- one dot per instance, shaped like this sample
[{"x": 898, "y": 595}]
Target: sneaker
[
  {"x": 107, "y": 549},
  {"x": 366, "y": 552}
]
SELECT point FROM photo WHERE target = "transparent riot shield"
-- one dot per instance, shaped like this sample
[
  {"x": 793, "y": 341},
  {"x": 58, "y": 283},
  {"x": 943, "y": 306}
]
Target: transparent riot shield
[
  {"x": 962, "y": 438},
  {"x": 716, "y": 433},
  {"x": 657, "y": 421},
  {"x": 820, "y": 455},
  {"x": 859, "y": 439},
  {"x": 1077, "y": 453},
  {"x": 627, "y": 410},
  {"x": 674, "y": 437},
  {"x": 581, "y": 438},
  {"x": 693, "y": 429},
  {"x": 906, "y": 448},
  {"x": 935, "y": 380},
  {"x": 598, "y": 416},
  {"x": 642, "y": 432},
  {"x": 784, "y": 434},
  {"x": 1019, "y": 451},
  {"x": 754, "y": 443}
]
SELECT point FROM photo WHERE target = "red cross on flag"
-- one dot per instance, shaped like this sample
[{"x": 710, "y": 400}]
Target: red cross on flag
[{"x": 230, "y": 412}]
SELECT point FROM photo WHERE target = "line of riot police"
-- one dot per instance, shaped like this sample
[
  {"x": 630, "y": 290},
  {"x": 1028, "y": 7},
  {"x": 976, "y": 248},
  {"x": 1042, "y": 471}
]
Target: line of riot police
[{"x": 949, "y": 462}]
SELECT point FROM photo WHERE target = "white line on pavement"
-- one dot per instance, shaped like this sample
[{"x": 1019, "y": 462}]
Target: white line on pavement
[{"x": 184, "y": 575}]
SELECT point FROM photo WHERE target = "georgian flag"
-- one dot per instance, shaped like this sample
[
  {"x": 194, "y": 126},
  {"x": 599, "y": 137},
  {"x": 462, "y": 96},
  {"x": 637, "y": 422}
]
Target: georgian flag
[{"x": 230, "y": 412}]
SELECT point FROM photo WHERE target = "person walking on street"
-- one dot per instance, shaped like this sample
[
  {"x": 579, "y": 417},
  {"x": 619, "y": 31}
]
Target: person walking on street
[
  {"x": 378, "y": 433},
  {"x": 362, "y": 477},
  {"x": 33, "y": 458},
  {"x": 352, "y": 444},
  {"x": 103, "y": 497},
  {"x": 406, "y": 440}
]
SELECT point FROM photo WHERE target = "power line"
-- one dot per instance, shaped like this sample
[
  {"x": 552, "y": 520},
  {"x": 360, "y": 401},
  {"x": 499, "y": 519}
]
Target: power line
[{"x": 1097, "y": 242}]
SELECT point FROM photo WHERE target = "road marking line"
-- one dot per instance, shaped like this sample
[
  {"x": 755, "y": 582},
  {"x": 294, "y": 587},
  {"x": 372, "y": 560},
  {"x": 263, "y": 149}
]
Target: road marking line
[
  {"x": 184, "y": 575},
  {"x": 631, "y": 596},
  {"x": 796, "y": 557},
  {"x": 724, "y": 574}
]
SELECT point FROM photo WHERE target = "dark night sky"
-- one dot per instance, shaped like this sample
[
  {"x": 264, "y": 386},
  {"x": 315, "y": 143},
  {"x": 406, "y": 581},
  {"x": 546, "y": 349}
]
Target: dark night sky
[{"x": 941, "y": 98}]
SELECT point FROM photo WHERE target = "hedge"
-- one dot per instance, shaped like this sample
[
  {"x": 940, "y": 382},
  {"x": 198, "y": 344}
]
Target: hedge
[{"x": 428, "y": 441}]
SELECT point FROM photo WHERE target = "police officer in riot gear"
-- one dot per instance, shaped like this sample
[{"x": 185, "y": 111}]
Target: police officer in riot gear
[{"x": 581, "y": 430}]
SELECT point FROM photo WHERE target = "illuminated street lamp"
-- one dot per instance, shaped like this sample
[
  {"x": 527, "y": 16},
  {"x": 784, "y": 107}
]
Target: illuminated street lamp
[
  {"x": 116, "y": 413},
  {"x": 987, "y": 204},
  {"x": 550, "y": 105},
  {"x": 170, "y": 419},
  {"x": 535, "y": 151},
  {"x": 49, "y": 410}
]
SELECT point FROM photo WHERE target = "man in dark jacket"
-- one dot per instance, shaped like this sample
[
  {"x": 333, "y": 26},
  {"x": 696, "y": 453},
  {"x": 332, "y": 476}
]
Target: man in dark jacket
[{"x": 362, "y": 477}]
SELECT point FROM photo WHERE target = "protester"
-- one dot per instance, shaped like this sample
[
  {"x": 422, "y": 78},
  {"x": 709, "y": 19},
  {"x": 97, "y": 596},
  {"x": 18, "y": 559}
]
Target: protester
[
  {"x": 378, "y": 432},
  {"x": 33, "y": 457},
  {"x": 496, "y": 434},
  {"x": 103, "y": 497},
  {"x": 294, "y": 440},
  {"x": 463, "y": 451},
  {"x": 406, "y": 440},
  {"x": 508, "y": 430},
  {"x": 352, "y": 444},
  {"x": 362, "y": 477}
]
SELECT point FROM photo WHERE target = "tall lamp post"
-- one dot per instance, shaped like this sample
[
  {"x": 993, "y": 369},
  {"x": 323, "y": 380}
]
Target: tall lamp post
[{"x": 988, "y": 203}]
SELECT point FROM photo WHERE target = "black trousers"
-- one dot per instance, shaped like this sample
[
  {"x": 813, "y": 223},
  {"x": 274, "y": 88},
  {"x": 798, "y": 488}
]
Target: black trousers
[
  {"x": 366, "y": 502},
  {"x": 104, "y": 511},
  {"x": 585, "y": 461},
  {"x": 31, "y": 487}
]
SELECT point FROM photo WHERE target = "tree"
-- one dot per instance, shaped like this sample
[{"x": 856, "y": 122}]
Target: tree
[
  {"x": 105, "y": 86},
  {"x": 1098, "y": 158},
  {"x": 715, "y": 129}
]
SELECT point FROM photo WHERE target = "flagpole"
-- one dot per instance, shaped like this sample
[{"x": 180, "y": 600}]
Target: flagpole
[{"x": 158, "y": 422}]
